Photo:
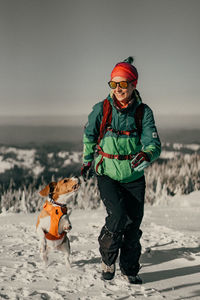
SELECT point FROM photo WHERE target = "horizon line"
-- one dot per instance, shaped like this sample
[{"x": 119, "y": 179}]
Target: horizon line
[{"x": 85, "y": 114}]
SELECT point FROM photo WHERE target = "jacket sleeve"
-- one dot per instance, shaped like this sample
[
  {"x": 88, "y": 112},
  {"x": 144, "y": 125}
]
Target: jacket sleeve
[
  {"x": 91, "y": 132},
  {"x": 149, "y": 137}
]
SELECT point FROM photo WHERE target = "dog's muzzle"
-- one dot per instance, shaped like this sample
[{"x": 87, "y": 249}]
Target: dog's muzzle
[{"x": 67, "y": 229}]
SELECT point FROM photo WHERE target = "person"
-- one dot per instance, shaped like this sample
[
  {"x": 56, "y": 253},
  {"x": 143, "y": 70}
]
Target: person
[{"x": 123, "y": 154}]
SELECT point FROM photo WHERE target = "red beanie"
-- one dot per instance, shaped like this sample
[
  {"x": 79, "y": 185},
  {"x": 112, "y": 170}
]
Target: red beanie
[{"x": 126, "y": 69}]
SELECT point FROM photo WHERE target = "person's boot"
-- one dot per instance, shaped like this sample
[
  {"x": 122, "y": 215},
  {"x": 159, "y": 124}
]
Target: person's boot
[
  {"x": 108, "y": 272},
  {"x": 133, "y": 279}
]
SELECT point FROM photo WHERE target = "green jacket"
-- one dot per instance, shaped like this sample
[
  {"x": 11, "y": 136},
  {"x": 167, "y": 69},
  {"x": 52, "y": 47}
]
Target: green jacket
[{"x": 112, "y": 143}]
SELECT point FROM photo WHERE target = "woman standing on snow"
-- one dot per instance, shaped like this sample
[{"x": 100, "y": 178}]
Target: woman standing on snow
[{"x": 124, "y": 132}]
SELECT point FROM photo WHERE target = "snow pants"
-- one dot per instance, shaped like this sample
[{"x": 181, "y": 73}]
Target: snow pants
[{"x": 124, "y": 204}]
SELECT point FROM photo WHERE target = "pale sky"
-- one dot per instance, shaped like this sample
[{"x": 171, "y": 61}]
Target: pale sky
[{"x": 56, "y": 56}]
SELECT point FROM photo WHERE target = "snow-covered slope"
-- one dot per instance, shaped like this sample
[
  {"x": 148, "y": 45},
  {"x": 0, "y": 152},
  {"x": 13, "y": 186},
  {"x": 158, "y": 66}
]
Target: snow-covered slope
[{"x": 170, "y": 259}]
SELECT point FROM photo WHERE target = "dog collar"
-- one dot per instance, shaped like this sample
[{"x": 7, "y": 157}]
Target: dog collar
[
  {"x": 56, "y": 203},
  {"x": 62, "y": 206}
]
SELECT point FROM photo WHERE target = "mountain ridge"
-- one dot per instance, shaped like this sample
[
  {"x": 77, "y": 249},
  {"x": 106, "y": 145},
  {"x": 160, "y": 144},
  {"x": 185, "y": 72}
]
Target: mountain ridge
[{"x": 185, "y": 121}]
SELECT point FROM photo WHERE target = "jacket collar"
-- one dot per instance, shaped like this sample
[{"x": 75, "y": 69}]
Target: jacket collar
[{"x": 133, "y": 103}]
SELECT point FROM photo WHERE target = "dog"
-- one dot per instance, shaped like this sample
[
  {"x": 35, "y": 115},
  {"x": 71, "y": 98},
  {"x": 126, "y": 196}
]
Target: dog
[{"x": 53, "y": 222}]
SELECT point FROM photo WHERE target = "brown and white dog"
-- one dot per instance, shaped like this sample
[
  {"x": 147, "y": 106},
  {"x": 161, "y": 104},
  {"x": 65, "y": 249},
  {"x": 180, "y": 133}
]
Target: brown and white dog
[{"x": 53, "y": 221}]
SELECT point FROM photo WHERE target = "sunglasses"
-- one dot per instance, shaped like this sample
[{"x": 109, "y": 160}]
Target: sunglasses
[{"x": 122, "y": 84}]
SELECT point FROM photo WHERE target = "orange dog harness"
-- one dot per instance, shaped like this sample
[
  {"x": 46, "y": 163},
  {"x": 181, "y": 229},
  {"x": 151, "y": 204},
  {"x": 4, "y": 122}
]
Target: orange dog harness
[{"x": 55, "y": 212}]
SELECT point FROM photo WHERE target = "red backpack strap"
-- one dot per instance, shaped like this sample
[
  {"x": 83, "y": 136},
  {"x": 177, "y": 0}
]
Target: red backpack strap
[
  {"x": 107, "y": 118},
  {"x": 138, "y": 118}
]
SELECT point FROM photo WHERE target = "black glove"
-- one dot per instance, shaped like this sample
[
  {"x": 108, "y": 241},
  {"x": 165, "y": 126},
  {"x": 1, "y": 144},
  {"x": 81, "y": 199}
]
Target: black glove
[
  {"x": 86, "y": 171},
  {"x": 139, "y": 158}
]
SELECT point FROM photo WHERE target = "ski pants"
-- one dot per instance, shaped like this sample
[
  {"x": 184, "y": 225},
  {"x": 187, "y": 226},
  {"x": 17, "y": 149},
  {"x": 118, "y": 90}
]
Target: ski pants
[{"x": 124, "y": 204}]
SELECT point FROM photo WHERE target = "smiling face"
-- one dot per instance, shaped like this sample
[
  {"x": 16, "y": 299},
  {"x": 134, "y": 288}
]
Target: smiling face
[{"x": 123, "y": 95}]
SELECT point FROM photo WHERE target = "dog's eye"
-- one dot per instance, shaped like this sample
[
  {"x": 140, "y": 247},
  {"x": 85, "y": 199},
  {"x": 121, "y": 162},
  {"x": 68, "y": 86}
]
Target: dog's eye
[{"x": 66, "y": 180}]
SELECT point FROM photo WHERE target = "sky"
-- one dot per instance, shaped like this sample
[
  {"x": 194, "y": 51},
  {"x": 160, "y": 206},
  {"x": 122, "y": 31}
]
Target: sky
[{"x": 57, "y": 55}]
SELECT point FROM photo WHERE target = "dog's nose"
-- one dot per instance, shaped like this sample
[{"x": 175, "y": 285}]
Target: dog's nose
[
  {"x": 67, "y": 228},
  {"x": 78, "y": 178}
]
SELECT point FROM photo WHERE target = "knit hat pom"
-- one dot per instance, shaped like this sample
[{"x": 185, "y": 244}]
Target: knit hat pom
[{"x": 129, "y": 60}]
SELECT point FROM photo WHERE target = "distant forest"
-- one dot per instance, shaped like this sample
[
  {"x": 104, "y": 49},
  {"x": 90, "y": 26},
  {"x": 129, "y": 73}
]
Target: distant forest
[{"x": 25, "y": 171}]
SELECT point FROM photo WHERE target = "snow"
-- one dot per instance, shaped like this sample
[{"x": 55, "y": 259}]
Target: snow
[
  {"x": 169, "y": 154},
  {"x": 75, "y": 157},
  {"x": 194, "y": 147},
  {"x": 178, "y": 146},
  {"x": 63, "y": 154},
  {"x": 22, "y": 158},
  {"x": 170, "y": 257},
  {"x": 38, "y": 169},
  {"x": 67, "y": 162},
  {"x": 4, "y": 165}
]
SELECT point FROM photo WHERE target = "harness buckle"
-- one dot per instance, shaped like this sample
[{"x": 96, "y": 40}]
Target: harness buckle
[{"x": 131, "y": 156}]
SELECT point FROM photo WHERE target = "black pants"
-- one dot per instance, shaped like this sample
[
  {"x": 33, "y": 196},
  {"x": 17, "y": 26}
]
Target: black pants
[{"x": 124, "y": 203}]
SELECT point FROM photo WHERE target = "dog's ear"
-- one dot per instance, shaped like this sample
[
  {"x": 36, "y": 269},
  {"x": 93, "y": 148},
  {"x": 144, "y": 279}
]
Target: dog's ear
[{"x": 48, "y": 189}]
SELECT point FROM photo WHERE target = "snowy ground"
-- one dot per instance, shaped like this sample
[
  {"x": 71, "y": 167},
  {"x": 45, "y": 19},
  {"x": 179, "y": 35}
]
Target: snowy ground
[{"x": 170, "y": 259}]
